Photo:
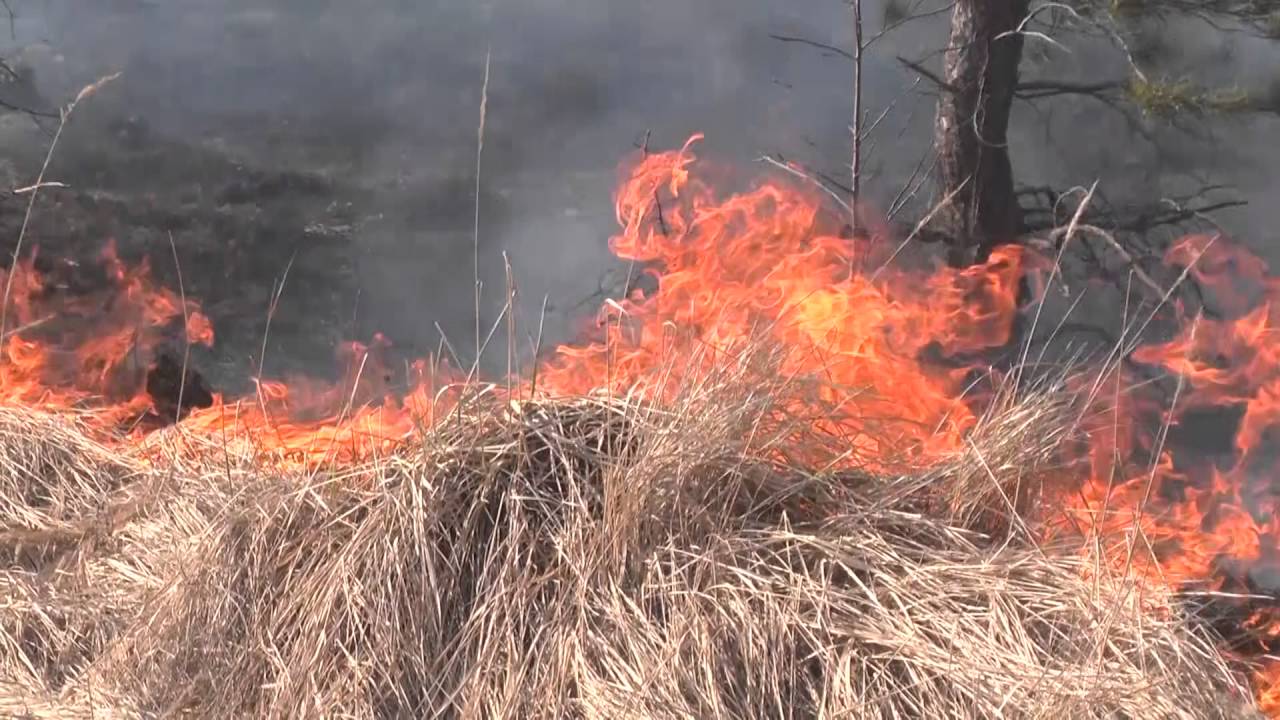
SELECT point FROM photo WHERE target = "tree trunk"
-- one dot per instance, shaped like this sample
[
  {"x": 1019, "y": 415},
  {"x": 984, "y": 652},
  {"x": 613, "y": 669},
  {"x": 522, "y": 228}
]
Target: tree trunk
[{"x": 980, "y": 69}]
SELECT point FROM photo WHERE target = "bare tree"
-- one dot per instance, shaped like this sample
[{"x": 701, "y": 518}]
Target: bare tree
[{"x": 980, "y": 77}]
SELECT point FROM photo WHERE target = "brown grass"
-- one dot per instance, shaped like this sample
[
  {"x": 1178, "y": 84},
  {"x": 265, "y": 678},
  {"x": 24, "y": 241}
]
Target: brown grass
[{"x": 592, "y": 557}]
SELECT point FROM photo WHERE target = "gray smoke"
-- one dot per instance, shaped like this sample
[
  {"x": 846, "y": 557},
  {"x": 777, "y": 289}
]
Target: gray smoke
[{"x": 383, "y": 96}]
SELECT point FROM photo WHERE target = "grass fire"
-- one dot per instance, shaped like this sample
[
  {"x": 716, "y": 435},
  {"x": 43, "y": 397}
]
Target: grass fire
[{"x": 803, "y": 473}]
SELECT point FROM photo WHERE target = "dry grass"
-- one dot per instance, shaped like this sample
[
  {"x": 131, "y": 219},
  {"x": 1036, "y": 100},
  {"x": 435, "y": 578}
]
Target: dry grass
[
  {"x": 52, "y": 476},
  {"x": 56, "y": 508},
  {"x": 87, "y": 536},
  {"x": 592, "y": 558}
]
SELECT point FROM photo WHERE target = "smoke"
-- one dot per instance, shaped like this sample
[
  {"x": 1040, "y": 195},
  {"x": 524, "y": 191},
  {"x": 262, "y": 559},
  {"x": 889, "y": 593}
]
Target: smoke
[{"x": 382, "y": 99}]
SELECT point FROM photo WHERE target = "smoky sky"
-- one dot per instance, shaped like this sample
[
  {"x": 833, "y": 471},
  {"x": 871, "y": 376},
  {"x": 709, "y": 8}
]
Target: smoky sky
[{"x": 385, "y": 95}]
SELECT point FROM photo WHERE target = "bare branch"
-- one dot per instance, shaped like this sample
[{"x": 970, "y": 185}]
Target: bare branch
[
  {"x": 926, "y": 73},
  {"x": 28, "y": 110},
  {"x": 11, "y": 75},
  {"x": 813, "y": 43},
  {"x": 1057, "y": 235},
  {"x": 797, "y": 171},
  {"x": 1036, "y": 89},
  {"x": 910, "y": 17},
  {"x": 13, "y": 20}
]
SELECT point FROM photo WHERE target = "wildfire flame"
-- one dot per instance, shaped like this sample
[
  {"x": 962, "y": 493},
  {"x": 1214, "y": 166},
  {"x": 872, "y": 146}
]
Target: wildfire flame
[
  {"x": 902, "y": 353},
  {"x": 64, "y": 349}
]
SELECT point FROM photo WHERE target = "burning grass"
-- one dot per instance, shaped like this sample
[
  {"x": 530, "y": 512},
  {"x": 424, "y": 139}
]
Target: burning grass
[
  {"x": 882, "y": 515},
  {"x": 586, "y": 557}
]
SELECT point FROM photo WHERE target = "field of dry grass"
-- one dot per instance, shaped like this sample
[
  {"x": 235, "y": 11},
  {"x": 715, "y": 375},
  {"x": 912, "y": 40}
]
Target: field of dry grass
[{"x": 591, "y": 557}]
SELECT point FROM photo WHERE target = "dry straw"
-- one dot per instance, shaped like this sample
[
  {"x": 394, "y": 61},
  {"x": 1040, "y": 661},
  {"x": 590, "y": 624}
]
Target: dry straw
[{"x": 593, "y": 557}]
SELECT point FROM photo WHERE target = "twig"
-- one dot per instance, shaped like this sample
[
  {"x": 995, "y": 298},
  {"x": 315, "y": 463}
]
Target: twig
[
  {"x": 1022, "y": 26},
  {"x": 857, "y": 112},
  {"x": 13, "y": 20},
  {"x": 791, "y": 169},
  {"x": 918, "y": 179},
  {"x": 28, "y": 326},
  {"x": 1035, "y": 89},
  {"x": 513, "y": 293},
  {"x": 1068, "y": 233},
  {"x": 272, "y": 306},
  {"x": 537, "y": 350},
  {"x": 1179, "y": 215},
  {"x": 813, "y": 43},
  {"x": 910, "y": 17},
  {"x": 1110, "y": 240},
  {"x": 29, "y": 110},
  {"x": 18, "y": 77},
  {"x": 662, "y": 221},
  {"x": 868, "y": 43},
  {"x": 871, "y": 128},
  {"x": 186, "y": 330},
  {"x": 1031, "y": 89},
  {"x": 39, "y": 186},
  {"x": 926, "y": 72},
  {"x": 924, "y": 221},
  {"x": 484, "y": 104}
]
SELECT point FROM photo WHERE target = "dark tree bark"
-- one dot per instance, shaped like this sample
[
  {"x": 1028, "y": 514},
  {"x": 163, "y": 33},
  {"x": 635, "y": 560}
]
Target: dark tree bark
[{"x": 980, "y": 72}]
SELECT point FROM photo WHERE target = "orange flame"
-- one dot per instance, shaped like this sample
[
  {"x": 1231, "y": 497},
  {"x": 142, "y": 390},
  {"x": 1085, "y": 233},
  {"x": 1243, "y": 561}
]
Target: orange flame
[
  {"x": 63, "y": 349},
  {"x": 770, "y": 260}
]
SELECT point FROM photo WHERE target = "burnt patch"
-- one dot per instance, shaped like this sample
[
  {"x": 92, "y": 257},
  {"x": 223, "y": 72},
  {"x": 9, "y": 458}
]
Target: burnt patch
[{"x": 175, "y": 389}]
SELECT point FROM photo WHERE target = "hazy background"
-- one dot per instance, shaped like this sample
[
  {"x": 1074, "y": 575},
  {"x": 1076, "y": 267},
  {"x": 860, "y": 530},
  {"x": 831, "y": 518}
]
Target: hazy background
[{"x": 380, "y": 100}]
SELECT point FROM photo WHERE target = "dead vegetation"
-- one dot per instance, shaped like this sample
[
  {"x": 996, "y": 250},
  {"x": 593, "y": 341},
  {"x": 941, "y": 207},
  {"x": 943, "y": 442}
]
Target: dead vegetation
[{"x": 592, "y": 557}]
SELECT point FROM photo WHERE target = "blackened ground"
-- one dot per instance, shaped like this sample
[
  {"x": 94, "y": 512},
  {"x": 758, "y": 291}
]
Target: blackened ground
[
  {"x": 235, "y": 229},
  {"x": 277, "y": 251}
]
